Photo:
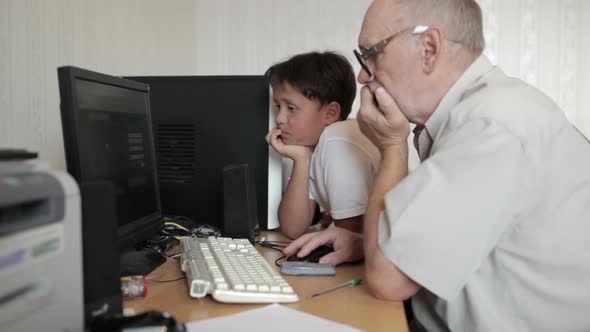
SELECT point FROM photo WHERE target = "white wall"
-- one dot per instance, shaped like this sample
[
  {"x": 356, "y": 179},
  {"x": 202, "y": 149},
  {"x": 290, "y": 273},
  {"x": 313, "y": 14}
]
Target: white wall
[
  {"x": 542, "y": 41},
  {"x": 130, "y": 37}
]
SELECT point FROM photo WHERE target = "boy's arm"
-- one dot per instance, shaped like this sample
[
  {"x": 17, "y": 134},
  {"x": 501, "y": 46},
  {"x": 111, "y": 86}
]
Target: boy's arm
[{"x": 296, "y": 209}]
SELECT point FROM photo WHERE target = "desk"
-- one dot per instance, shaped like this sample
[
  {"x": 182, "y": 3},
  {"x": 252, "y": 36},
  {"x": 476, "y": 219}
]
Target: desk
[{"x": 354, "y": 306}]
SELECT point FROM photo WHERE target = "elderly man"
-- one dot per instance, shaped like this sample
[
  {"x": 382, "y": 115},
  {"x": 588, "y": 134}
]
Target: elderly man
[{"x": 490, "y": 232}]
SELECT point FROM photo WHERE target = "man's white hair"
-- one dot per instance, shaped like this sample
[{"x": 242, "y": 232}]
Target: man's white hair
[{"x": 460, "y": 20}]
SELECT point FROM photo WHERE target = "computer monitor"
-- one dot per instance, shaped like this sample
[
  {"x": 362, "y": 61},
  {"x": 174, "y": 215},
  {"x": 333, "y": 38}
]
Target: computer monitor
[
  {"x": 108, "y": 137},
  {"x": 203, "y": 124}
]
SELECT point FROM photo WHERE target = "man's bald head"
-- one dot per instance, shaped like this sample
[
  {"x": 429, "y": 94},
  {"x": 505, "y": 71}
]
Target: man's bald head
[{"x": 460, "y": 20}]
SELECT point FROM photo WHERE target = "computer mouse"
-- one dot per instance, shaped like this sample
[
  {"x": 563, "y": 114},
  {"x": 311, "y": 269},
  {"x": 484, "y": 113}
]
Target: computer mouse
[{"x": 314, "y": 256}]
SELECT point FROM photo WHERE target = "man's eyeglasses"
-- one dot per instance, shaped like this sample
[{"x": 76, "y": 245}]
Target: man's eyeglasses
[{"x": 362, "y": 56}]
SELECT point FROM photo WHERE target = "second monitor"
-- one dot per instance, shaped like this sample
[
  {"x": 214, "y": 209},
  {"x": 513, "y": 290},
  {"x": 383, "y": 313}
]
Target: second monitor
[{"x": 201, "y": 125}]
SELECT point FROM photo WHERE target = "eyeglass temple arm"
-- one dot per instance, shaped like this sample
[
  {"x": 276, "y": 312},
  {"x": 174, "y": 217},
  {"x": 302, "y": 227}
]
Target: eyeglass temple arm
[
  {"x": 418, "y": 29},
  {"x": 375, "y": 49}
]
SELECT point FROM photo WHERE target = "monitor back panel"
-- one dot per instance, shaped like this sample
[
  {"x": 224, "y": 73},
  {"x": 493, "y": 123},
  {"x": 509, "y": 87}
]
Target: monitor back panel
[{"x": 202, "y": 124}]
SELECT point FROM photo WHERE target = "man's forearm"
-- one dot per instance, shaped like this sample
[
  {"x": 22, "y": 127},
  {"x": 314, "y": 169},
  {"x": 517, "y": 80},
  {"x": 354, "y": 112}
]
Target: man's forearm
[
  {"x": 393, "y": 168},
  {"x": 294, "y": 210},
  {"x": 383, "y": 278}
]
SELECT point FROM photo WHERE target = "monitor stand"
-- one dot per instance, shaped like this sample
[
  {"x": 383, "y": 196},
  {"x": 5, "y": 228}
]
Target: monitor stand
[{"x": 139, "y": 262}]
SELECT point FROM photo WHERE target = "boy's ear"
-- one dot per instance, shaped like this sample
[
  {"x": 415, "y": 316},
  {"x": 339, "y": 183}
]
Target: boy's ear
[{"x": 331, "y": 112}]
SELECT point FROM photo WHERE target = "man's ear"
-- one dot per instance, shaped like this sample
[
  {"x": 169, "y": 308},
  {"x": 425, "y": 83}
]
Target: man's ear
[
  {"x": 331, "y": 113},
  {"x": 432, "y": 46}
]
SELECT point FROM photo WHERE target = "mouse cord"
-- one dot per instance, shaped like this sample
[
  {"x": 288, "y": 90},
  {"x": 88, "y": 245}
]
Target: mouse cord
[
  {"x": 275, "y": 245},
  {"x": 278, "y": 260}
]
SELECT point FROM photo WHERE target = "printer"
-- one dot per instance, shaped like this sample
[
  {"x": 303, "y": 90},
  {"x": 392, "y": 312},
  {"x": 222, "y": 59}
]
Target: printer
[{"x": 40, "y": 249}]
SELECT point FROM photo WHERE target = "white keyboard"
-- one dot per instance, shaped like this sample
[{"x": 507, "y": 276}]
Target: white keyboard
[{"x": 232, "y": 271}]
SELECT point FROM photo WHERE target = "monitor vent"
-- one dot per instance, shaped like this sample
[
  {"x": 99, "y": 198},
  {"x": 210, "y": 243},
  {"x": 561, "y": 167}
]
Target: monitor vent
[{"x": 176, "y": 152}]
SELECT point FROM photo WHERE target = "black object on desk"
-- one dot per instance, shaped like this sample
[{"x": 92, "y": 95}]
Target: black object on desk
[
  {"x": 119, "y": 322},
  {"x": 16, "y": 154},
  {"x": 139, "y": 262}
]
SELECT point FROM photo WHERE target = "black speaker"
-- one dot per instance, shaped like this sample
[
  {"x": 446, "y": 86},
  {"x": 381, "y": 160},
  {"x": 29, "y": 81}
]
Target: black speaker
[
  {"x": 102, "y": 284},
  {"x": 240, "y": 216}
]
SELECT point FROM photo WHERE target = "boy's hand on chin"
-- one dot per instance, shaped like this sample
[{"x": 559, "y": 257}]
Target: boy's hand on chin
[{"x": 295, "y": 152}]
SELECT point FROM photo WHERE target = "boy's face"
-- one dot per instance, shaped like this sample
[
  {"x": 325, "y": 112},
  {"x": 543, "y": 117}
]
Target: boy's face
[{"x": 300, "y": 119}]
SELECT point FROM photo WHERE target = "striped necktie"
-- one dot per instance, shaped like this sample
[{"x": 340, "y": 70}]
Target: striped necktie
[{"x": 422, "y": 141}]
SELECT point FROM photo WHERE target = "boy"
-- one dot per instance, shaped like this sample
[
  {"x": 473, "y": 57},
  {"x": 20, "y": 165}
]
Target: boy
[{"x": 333, "y": 162}]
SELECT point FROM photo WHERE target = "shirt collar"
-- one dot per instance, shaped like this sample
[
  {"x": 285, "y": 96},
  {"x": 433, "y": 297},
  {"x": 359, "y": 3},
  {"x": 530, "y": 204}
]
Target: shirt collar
[{"x": 474, "y": 72}]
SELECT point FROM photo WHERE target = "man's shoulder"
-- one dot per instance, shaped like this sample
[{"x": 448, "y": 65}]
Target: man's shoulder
[
  {"x": 498, "y": 93},
  {"x": 510, "y": 102}
]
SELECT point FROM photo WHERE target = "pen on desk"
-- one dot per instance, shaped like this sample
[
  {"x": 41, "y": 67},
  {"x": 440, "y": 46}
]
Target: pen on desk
[{"x": 353, "y": 282}]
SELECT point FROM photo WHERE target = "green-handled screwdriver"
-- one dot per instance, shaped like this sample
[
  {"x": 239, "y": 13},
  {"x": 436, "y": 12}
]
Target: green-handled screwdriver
[{"x": 353, "y": 282}]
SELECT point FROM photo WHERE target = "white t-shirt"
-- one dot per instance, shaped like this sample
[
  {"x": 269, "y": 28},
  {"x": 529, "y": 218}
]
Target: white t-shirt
[
  {"x": 495, "y": 223},
  {"x": 343, "y": 166}
]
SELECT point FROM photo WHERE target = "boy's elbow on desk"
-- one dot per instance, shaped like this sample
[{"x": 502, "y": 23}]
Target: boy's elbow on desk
[{"x": 291, "y": 231}]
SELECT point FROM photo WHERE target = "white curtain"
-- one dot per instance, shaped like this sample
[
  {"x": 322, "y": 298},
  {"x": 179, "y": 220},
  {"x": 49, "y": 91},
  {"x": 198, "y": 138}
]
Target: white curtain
[{"x": 544, "y": 42}]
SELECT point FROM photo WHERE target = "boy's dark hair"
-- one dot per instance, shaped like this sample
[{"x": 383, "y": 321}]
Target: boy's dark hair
[{"x": 326, "y": 77}]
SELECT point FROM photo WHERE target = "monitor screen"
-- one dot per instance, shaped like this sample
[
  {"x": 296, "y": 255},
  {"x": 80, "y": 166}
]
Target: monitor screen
[{"x": 108, "y": 137}]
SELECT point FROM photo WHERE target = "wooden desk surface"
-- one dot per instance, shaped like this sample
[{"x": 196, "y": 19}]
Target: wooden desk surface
[{"x": 354, "y": 306}]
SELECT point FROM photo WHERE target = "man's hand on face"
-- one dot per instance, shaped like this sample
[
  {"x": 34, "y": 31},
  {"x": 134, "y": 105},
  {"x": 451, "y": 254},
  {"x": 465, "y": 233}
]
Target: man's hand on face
[
  {"x": 348, "y": 246},
  {"x": 295, "y": 152},
  {"x": 381, "y": 120}
]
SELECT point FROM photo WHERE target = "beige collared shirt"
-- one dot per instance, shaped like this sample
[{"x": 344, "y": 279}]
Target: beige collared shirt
[{"x": 495, "y": 223}]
